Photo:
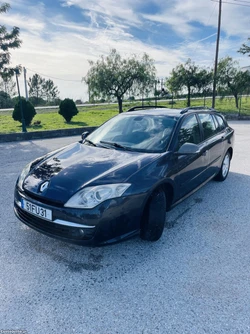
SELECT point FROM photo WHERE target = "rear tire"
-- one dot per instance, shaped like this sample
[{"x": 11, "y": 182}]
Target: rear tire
[
  {"x": 224, "y": 170},
  {"x": 154, "y": 215}
]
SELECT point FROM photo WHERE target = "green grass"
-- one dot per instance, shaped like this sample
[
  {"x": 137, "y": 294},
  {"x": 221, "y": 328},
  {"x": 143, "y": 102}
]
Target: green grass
[
  {"x": 96, "y": 115},
  {"x": 54, "y": 121}
]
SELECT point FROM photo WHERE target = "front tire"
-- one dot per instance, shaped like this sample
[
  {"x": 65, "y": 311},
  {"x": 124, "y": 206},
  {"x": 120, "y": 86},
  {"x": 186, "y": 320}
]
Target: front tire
[
  {"x": 224, "y": 170},
  {"x": 154, "y": 215}
]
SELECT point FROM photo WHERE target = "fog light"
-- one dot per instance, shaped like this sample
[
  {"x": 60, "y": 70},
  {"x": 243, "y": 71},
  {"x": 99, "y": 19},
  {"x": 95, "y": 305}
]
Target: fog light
[{"x": 81, "y": 231}]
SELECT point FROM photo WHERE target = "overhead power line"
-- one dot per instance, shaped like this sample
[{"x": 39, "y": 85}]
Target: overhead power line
[
  {"x": 203, "y": 39},
  {"x": 233, "y": 3},
  {"x": 241, "y": 1},
  {"x": 50, "y": 77}
]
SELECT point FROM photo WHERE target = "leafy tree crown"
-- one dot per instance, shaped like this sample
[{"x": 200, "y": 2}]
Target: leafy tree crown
[
  {"x": 113, "y": 76},
  {"x": 8, "y": 40}
]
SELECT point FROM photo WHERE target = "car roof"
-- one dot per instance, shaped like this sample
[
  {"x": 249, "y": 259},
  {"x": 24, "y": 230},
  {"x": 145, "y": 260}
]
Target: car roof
[
  {"x": 164, "y": 111},
  {"x": 157, "y": 112}
]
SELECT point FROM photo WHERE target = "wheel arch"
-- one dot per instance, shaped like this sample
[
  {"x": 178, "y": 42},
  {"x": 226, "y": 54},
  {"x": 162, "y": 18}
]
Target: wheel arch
[
  {"x": 168, "y": 189},
  {"x": 230, "y": 150}
]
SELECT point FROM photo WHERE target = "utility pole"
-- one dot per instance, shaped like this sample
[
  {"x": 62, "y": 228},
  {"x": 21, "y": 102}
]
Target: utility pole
[
  {"x": 25, "y": 84},
  {"x": 216, "y": 54},
  {"x": 155, "y": 93},
  {"x": 17, "y": 72},
  {"x": 89, "y": 92}
]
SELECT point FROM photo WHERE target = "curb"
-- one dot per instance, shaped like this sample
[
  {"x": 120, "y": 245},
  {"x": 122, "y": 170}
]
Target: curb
[{"x": 44, "y": 134}]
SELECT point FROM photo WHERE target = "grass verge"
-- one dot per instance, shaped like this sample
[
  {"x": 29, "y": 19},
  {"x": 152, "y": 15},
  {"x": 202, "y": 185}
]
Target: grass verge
[{"x": 96, "y": 115}]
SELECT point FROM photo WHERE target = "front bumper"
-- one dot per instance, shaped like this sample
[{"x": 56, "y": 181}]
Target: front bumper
[{"x": 109, "y": 222}]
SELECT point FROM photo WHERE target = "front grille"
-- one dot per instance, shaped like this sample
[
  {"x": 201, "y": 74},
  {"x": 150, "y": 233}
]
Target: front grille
[
  {"x": 54, "y": 229},
  {"x": 43, "y": 200}
]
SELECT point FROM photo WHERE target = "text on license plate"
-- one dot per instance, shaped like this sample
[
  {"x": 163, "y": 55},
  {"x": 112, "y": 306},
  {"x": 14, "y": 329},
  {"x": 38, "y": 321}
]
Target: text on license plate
[{"x": 36, "y": 210}]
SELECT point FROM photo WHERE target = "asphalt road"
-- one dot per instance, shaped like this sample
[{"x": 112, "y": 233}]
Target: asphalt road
[{"x": 195, "y": 279}]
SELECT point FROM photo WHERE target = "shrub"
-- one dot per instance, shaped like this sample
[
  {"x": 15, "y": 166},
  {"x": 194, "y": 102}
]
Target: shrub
[
  {"x": 67, "y": 109},
  {"x": 5, "y": 100},
  {"x": 28, "y": 111},
  {"x": 37, "y": 101}
]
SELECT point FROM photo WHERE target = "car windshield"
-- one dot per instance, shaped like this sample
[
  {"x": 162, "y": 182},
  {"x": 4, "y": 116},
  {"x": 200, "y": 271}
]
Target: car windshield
[{"x": 142, "y": 133}]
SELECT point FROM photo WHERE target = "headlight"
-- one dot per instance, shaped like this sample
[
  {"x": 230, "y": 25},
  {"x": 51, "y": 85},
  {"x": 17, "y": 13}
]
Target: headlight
[
  {"x": 90, "y": 197},
  {"x": 23, "y": 175}
]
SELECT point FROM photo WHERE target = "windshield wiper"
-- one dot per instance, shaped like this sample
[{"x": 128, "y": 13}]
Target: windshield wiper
[
  {"x": 93, "y": 144},
  {"x": 90, "y": 142},
  {"x": 116, "y": 145}
]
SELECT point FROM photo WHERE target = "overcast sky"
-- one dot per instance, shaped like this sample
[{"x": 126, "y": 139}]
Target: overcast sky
[{"x": 60, "y": 36}]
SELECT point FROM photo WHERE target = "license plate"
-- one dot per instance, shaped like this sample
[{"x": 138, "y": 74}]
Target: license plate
[{"x": 36, "y": 210}]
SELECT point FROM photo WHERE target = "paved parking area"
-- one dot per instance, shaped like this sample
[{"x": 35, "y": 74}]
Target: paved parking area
[{"x": 195, "y": 279}]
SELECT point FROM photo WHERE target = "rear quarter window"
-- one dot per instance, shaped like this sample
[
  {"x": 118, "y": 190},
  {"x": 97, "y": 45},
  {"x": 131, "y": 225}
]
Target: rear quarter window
[{"x": 220, "y": 121}]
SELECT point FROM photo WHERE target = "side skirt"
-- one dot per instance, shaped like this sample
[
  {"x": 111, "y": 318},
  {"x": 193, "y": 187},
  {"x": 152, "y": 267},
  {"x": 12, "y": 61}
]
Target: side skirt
[{"x": 192, "y": 192}]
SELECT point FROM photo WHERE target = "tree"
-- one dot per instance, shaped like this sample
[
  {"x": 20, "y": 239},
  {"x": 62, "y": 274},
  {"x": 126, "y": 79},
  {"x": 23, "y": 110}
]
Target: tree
[
  {"x": 28, "y": 111},
  {"x": 230, "y": 76},
  {"x": 204, "y": 82},
  {"x": 7, "y": 84},
  {"x": 5, "y": 100},
  {"x": 245, "y": 49},
  {"x": 184, "y": 75},
  {"x": 7, "y": 90},
  {"x": 113, "y": 76},
  {"x": 67, "y": 109},
  {"x": 36, "y": 84},
  {"x": 8, "y": 40},
  {"x": 173, "y": 85},
  {"x": 40, "y": 88},
  {"x": 50, "y": 90}
]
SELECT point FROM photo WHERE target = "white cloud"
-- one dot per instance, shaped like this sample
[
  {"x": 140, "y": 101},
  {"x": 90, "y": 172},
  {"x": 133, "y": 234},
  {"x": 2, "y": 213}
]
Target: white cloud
[
  {"x": 23, "y": 22},
  {"x": 122, "y": 9},
  {"x": 68, "y": 45},
  {"x": 235, "y": 18}
]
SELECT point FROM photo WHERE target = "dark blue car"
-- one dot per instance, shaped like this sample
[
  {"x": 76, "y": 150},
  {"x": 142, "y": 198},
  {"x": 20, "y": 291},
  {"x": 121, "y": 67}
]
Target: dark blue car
[{"x": 122, "y": 178}]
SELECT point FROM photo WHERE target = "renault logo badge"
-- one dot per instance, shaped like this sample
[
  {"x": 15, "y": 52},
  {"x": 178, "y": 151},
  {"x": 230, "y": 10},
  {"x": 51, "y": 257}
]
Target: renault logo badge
[{"x": 44, "y": 186}]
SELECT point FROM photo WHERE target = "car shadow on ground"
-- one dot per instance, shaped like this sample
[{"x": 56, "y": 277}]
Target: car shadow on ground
[{"x": 205, "y": 209}]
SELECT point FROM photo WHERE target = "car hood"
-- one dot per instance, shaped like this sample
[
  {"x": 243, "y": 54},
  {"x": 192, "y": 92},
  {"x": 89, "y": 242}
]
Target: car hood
[{"x": 79, "y": 165}]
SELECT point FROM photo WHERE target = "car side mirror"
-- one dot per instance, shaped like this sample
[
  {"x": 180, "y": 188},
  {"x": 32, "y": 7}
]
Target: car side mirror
[
  {"x": 188, "y": 148},
  {"x": 84, "y": 135}
]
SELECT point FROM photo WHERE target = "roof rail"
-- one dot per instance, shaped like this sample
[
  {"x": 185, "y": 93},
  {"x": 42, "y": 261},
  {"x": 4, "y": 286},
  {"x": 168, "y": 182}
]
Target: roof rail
[
  {"x": 144, "y": 107},
  {"x": 196, "y": 108}
]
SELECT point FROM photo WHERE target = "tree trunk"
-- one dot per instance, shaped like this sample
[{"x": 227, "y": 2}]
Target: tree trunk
[
  {"x": 236, "y": 101},
  {"x": 189, "y": 93},
  {"x": 119, "y": 99}
]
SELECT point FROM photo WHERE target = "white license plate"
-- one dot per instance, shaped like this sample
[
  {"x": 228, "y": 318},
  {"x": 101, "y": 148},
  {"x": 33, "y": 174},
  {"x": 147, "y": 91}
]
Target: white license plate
[{"x": 36, "y": 210}]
